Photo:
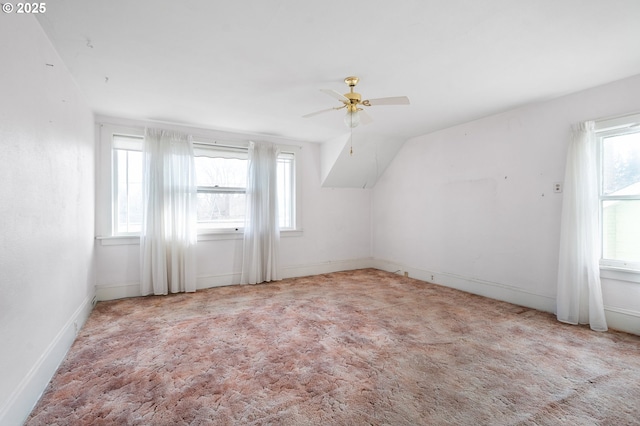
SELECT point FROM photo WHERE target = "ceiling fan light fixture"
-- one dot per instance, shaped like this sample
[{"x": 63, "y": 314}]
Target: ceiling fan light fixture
[
  {"x": 353, "y": 102},
  {"x": 352, "y": 119}
]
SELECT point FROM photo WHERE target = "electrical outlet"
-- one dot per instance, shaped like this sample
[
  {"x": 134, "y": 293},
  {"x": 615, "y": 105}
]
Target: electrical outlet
[
  {"x": 406, "y": 274},
  {"x": 557, "y": 187}
]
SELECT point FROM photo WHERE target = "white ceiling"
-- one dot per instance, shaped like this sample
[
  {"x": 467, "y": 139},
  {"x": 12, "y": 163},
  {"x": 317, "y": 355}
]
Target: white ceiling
[{"x": 256, "y": 65}]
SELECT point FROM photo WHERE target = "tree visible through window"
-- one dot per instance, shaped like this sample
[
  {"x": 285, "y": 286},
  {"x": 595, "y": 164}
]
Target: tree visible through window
[{"x": 222, "y": 184}]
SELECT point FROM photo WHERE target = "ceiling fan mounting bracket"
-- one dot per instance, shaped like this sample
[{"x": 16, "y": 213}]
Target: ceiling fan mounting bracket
[{"x": 351, "y": 81}]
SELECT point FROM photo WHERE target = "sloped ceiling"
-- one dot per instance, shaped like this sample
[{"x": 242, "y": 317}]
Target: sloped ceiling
[
  {"x": 255, "y": 66},
  {"x": 355, "y": 160}
]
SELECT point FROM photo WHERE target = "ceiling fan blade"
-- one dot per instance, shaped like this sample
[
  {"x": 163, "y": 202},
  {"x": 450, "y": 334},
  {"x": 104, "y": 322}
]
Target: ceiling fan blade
[
  {"x": 318, "y": 112},
  {"x": 395, "y": 100},
  {"x": 365, "y": 118},
  {"x": 336, "y": 95}
]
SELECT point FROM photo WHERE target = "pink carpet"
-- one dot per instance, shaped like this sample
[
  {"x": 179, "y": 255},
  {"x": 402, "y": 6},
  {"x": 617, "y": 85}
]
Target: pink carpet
[{"x": 351, "y": 348}]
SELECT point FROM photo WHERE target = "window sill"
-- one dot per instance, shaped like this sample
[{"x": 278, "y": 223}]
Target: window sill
[
  {"x": 238, "y": 234},
  {"x": 220, "y": 234},
  {"x": 620, "y": 274},
  {"x": 120, "y": 240}
]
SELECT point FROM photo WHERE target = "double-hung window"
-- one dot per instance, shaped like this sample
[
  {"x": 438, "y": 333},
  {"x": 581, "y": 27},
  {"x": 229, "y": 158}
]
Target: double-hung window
[
  {"x": 619, "y": 163},
  {"x": 221, "y": 176}
]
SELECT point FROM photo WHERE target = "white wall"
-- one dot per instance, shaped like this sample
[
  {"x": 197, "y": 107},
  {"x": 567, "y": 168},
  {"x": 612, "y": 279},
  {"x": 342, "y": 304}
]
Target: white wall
[
  {"x": 473, "y": 206},
  {"x": 356, "y": 161},
  {"x": 335, "y": 234},
  {"x": 336, "y": 224},
  {"x": 46, "y": 214}
]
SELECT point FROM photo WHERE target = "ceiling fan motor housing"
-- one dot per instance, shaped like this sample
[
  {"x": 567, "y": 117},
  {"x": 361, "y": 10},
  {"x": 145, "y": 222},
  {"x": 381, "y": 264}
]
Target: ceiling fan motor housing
[{"x": 354, "y": 98}]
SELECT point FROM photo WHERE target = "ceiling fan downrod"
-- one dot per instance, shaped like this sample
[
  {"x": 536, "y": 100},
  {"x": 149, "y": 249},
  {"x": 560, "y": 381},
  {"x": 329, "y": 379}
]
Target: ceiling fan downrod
[{"x": 354, "y": 98}]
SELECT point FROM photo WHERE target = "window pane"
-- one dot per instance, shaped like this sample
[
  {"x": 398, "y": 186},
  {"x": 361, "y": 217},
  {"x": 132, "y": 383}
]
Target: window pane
[
  {"x": 621, "y": 230},
  {"x": 222, "y": 172},
  {"x": 221, "y": 210},
  {"x": 128, "y": 193},
  {"x": 285, "y": 192},
  {"x": 621, "y": 164}
]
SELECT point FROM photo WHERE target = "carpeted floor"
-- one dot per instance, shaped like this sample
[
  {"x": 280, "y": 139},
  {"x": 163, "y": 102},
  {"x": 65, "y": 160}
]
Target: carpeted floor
[{"x": 350, "y": 348}]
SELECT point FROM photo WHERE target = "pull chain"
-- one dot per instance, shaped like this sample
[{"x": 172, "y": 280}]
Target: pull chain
[{"x": 351, "y": 142}]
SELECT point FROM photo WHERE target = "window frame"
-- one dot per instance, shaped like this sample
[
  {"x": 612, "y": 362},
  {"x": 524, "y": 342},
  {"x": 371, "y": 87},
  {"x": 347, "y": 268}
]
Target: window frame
[
  {"x": 241, "y": 151},
  {"x": 618, "y": 126},
  {"x": 105, "y": 185},
  {"x": 289, "y": 156},
  {"x": 286, "y": 154}
]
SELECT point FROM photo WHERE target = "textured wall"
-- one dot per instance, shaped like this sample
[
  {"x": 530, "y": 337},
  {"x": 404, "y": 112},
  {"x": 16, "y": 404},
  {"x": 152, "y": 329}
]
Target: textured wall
[
  {"x": 473, "y": 205},
  {"x": 46, "y": 212}
]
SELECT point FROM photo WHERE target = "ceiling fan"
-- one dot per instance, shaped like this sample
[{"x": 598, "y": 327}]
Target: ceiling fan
[{"x": 353, "y": 102}]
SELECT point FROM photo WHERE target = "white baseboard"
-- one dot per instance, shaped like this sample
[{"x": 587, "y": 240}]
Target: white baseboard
[
  {"x": 326, "y": 267},
  {"x": 617, "y": 318},
  {"x": 20, "y": 403},
  {"x": 493, "y": 290},
  {"x": 221, "y": 280},
  {"x": 118, "y": 291},
  {"x": 132, "y": 289},
  {"x": 623, "y": 319}
]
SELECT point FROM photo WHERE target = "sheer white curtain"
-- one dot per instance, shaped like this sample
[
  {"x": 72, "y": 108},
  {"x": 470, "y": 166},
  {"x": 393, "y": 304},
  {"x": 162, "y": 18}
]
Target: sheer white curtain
[
  {"x": 261, "y": 229},
  {"x": 579, "y": 299},
  {"x": 169, "y": 222}
]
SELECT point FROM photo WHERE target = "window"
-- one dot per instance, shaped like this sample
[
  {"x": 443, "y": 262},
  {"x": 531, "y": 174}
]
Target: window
[
  {"x": 619, "y": 150},
  {"x": 286, "y": 190},
  {"x": 221, "y": 177},
  {"x": 127, "y": 185}
]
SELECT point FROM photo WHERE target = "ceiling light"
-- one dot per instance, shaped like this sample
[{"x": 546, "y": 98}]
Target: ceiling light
[
  {"x": 352, "y": 119},
  {"x": 353, "y": 102}
]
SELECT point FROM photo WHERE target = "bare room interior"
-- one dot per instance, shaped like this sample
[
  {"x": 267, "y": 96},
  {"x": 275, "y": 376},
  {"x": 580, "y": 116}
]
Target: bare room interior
[{"x": 453, "y": 213}]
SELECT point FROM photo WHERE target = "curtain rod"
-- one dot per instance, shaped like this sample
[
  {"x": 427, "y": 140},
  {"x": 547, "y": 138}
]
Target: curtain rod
[{"x": 240, "y": 146}]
